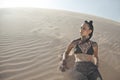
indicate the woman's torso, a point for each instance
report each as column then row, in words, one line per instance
column 83, row 51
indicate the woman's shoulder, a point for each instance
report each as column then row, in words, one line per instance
column 94, row 43
column 75, row 41
column 78, row 39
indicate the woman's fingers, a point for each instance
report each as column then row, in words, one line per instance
column 62, row 68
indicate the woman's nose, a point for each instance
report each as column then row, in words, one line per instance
column 80, row 31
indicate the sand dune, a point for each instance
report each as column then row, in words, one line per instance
column 31, row 40
column 29, row 58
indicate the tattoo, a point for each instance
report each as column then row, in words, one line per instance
column 94, row 44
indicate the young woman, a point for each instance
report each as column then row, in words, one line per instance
column 86, row 55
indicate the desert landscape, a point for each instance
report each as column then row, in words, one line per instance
column 31, row 39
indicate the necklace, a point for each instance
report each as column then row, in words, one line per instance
column 84, row 46
column 84, row 39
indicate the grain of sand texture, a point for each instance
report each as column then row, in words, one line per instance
column 31, row 40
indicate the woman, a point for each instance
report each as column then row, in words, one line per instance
column 86, row 55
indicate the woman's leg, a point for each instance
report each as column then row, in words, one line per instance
column 79, row 71
column 95, row 75
column 76, row 75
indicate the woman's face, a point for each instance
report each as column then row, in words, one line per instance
column 85, row 31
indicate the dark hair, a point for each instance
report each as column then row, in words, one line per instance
column 90, row 25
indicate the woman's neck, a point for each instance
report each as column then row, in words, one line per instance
column 84, row 38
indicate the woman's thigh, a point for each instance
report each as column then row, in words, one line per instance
column 76, row 75
column 95, row 76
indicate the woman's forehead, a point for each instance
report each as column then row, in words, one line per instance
column 84, row 25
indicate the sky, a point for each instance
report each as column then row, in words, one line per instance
column 109, row 9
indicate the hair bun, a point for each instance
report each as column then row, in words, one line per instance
column 90, row 21
column 86, row 21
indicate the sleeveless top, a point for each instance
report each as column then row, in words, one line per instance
column 83, row 48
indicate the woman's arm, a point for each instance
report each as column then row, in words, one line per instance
column 66, row 53
column 63, row 65
column 95, row 47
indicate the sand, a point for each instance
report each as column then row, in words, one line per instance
column 31, row 40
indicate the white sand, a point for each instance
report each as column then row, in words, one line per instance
column 31, row 40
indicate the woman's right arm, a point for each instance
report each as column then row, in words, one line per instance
column 66, row 53
column 63, row 65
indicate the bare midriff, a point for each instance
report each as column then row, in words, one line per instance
column 81, row 57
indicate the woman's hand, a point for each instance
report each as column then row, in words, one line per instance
column 63, row 66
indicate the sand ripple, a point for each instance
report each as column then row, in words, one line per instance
column 29, row 59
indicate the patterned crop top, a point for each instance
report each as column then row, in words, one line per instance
column 81, row 48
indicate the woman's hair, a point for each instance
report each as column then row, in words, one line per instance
column 90, row 25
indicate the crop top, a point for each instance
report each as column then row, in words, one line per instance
column 89, row 50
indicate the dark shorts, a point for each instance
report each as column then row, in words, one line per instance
column 85, row 71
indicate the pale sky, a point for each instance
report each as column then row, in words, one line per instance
column 104, row 8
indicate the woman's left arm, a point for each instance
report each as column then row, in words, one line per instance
column 95, row 47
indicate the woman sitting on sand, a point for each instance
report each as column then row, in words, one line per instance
column 86, row 55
